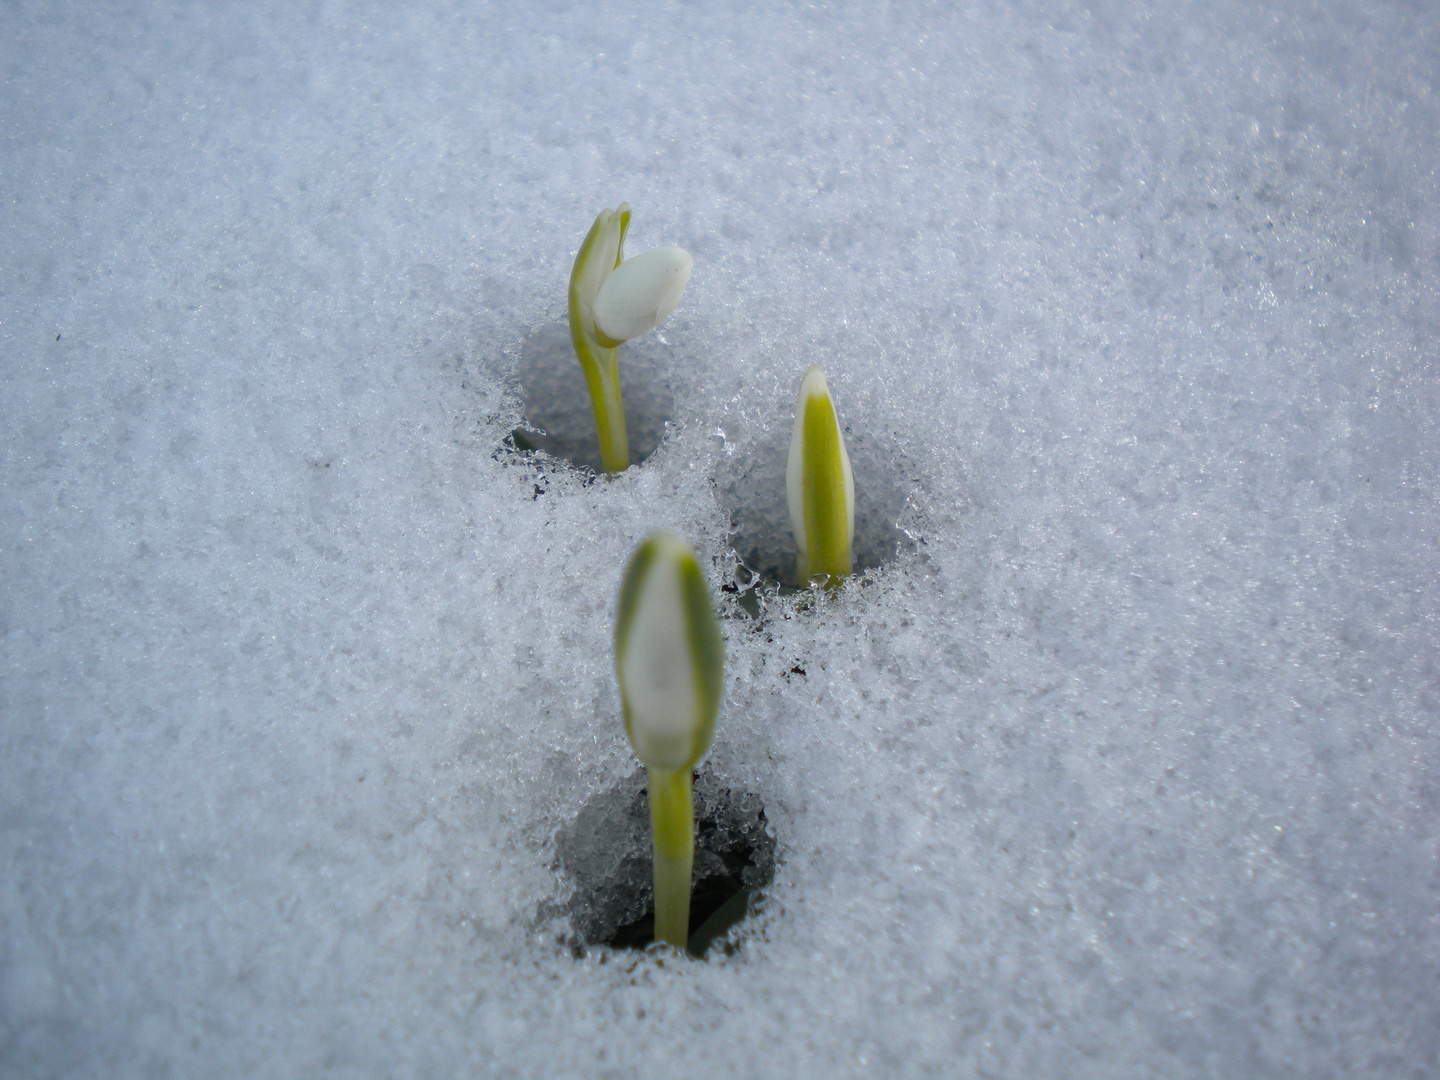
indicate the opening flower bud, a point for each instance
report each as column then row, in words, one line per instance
column 819, row 486
column 614, row 299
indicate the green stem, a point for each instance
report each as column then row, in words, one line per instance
column 672, row 822
column 602, row 376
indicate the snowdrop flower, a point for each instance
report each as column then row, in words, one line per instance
column 819, row 486
column 670, row 663
column 614, row 299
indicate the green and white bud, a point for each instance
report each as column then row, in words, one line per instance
column 614, row 299
column 669, row 655
column 670, row 663
column 819, row 486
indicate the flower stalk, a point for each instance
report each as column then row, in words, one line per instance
column 670, row 664
column 819, row 487
column 672, row 826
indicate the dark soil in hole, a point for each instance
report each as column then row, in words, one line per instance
column 558, row 419
column 606, row 854
column 752, row 486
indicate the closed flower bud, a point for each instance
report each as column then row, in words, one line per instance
column 819, row 486
column 669, row 656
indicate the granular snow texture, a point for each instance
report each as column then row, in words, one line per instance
column 1123, row 762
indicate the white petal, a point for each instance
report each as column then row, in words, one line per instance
column 641, row 292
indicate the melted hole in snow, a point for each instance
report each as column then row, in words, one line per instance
column 752, row 488
column 606, row 854
column 558, row 419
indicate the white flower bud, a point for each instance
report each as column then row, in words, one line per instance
column 641, row 292
column 819, row 486
column 669, row 655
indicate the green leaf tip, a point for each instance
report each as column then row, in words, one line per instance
column 819, row 486
column 614, row 299
column 669, row 655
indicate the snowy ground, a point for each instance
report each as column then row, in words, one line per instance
column 1130, row 769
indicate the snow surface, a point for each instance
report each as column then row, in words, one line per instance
column 1125, row 766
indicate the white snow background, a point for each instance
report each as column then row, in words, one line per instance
column 1129, row 768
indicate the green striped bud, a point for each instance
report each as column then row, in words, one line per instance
column 819, row 486
column 669, row 655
